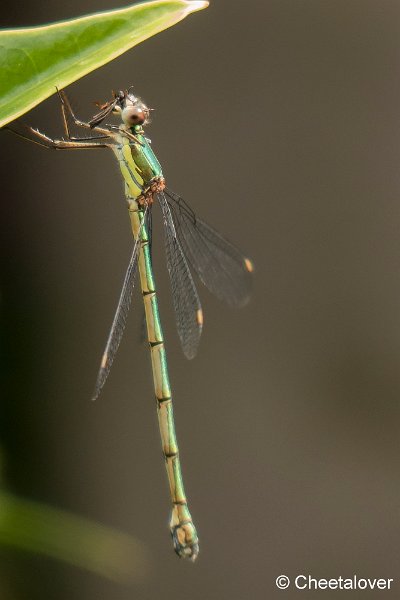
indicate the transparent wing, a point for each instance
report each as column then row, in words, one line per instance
column 223, row 269
column 188, row 313
column 121, row 314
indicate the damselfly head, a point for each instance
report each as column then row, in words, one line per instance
column 132, row 110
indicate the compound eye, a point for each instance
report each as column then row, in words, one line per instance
column 134, row 115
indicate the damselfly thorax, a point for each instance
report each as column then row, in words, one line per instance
column 139, row 166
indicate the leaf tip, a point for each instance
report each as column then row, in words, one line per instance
column 195, row 5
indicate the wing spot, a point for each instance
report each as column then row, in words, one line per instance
column 249, row 265
column 199, row 317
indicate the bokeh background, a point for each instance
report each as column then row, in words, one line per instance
column 279, row 121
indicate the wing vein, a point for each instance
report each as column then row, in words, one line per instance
column 121, row 314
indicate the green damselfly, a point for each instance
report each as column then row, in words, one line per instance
column 189, row 241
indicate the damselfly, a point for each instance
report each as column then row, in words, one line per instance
column 189, row 241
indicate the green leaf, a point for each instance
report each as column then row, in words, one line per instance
column 41, row 529
column 36, row 60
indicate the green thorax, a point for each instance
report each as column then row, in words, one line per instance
column 144, row 157
column 138, row 163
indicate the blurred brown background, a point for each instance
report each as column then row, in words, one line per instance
column 280, row 122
